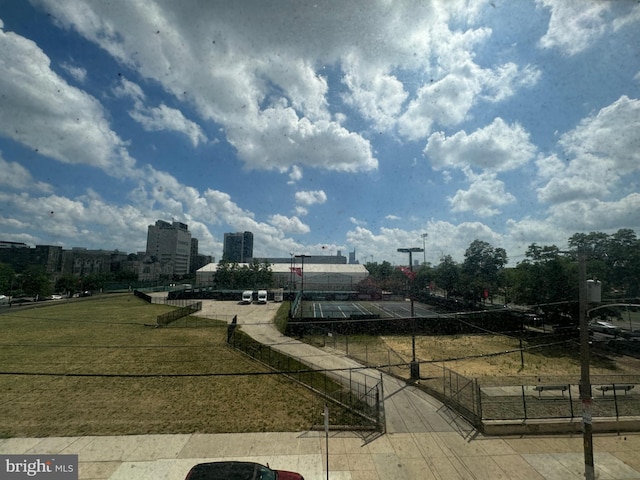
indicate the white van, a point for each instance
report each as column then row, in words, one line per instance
column 247, row 297
column 262, row 296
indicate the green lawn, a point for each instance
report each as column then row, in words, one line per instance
column 94, row 368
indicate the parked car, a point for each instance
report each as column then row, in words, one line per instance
column 262, row 296
column 238, row 471
column 247, row 297
column 631, row 334
column 604, row 327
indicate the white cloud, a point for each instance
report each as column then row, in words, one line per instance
column 444, row 238
column 601, row 150
column 301, row 211
column 15, row 176
column 393, row 217
column 166, row 118
column 288, row 225
column 78, row 73
column 378, row 95
column 447, row 101
column 158, row 118
column 496, row 147
column 485, row 193
column 43, row 112
column 576, row 25
column 311, row 197
column 295, row 174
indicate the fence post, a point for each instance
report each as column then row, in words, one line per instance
column 524, row 402
column 479, row 393
column 570, row 402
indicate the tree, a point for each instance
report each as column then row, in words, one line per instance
column 7, row 275
column 481, row 269
column 447, row 275
column 35, row 282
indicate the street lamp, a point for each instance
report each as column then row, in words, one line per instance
column 414, row 366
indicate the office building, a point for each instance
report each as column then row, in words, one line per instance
column 238, row 247
column 170, row 244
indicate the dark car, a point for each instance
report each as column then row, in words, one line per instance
column 238, row 471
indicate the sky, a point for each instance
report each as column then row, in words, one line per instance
column 320, row 126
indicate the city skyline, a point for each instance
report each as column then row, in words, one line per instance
column 320, row 127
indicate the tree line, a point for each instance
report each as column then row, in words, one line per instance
column 546, row 275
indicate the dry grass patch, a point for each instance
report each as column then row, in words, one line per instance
column 497, row 356
column 132, row 379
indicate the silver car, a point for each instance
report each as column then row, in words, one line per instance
column 604, row 327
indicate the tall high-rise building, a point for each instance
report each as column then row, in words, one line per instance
column 170, row 243
column 238, row 247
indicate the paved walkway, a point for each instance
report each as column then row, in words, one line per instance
column 423, row 440
column 396, row 456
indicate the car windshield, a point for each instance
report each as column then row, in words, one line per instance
column 264, row 473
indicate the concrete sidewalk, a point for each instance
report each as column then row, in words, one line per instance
column 401, row 456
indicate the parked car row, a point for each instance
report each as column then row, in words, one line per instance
column 247, row 297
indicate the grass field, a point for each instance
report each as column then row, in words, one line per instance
column 93, row 368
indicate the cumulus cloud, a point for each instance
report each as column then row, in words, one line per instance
column 77, row 73
column 43, row 112
column 575, row 25
column 601, row 150
column 288, row 225
column 311, row 197
column 158, row 118
column 485, row 193
column 15, row 176
column 496, row 147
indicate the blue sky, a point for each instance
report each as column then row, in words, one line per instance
column 345, row 125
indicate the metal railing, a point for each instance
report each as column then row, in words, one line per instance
column 359, row 397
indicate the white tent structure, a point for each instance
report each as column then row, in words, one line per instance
column 315, row 276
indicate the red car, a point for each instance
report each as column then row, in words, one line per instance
column 238, row 471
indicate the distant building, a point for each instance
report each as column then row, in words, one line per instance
column 317, row 276
column 338, row 259
column 170, row 243
column 352, row 258
column 6, row 244
column 81, row 262
column 20, row 256
column 238, row 247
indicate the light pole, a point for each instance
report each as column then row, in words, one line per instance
column 414, row 366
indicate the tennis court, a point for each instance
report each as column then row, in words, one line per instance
column 351, row 309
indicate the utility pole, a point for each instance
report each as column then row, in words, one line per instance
column 585, row 381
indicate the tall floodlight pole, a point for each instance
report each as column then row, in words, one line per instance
column 414, row 367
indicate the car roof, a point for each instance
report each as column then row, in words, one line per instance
column 224, row 471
